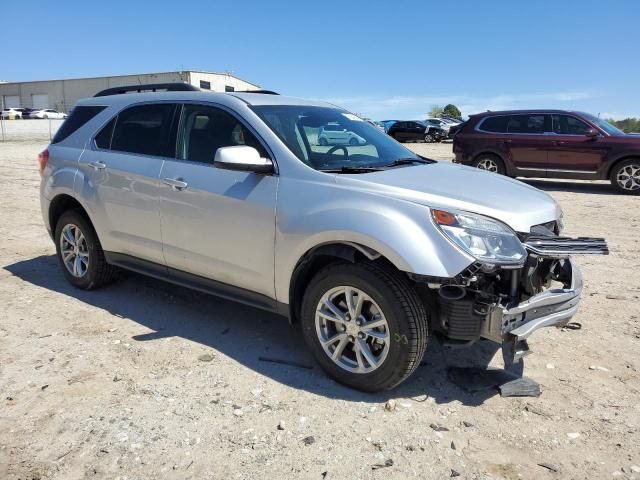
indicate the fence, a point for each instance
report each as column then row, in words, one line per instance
column 25, row 130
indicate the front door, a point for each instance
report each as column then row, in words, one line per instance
column 218, row 224
column 120, row 180
column 572, row 151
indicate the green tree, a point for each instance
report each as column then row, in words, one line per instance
column 628, row 125
column 436, row 111
column 452, row 111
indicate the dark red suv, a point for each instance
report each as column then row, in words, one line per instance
column 552, row 144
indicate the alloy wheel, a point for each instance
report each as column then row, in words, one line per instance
column 352, row 329
column 488, row 164
column 628, row 177
column 74, row 250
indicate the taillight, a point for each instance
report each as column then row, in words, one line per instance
column 43, row 158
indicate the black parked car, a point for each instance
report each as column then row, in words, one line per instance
column 412, row 131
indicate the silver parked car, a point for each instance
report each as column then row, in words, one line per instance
column 371, row 247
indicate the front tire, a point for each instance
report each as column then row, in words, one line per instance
column 625, row 177
column 79, row 252
column 490, row 163
column 365, row 325
column 428, row 138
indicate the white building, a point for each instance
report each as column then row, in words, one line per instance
column 62, row 95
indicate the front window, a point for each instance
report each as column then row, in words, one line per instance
column 327, row 138
column 603, row 124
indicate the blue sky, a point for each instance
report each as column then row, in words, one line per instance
column 379, row 59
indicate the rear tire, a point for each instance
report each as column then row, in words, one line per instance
column 79, row 252
column 371, row 358
column 490, row 163
column 323, row 142
column 625, row 177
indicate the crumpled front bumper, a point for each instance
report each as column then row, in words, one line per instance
column 552, row 308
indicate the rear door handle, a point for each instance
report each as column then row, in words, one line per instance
column 175, row 183
column 97, row 165
column 558, row 142
column 505, row 140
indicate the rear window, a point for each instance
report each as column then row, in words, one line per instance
column 78, row 117
column 528, row 124
column 494, row 124
column 143, row 129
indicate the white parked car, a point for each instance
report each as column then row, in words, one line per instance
column 334, row 134
column 12, row 112
column 47, row 113
column 439, row 122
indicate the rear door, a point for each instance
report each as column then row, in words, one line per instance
column 121, row 185
column 526, row 142
column 572, row 152
column 415, row 131
column 218, row 224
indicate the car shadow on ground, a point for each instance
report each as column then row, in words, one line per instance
column 249, row 336
column 549, row 185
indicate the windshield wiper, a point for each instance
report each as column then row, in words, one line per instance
column 346, row 169
column 408, row 161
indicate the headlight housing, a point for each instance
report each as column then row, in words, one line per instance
column 488, row 240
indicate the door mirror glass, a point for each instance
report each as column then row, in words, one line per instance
column 591, row 133
column 242, row 158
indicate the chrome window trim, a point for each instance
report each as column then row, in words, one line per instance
column 479, row 124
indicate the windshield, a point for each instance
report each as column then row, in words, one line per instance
column 332, row 139
column 603, row 124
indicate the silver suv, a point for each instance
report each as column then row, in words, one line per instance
column 372, row 248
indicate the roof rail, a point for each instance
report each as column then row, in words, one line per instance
column 149, row 87
column 264, row 92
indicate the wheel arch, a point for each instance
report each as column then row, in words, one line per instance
column 319, row 257
column 492, row 153
column 61, row 203
column 618, row 161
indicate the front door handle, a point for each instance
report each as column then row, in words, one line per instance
column 175, row 183
column 97, row 165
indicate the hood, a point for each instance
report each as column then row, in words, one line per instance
column 456, row 187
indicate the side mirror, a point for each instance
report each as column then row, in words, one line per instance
column 592, row 133
column 242, row 158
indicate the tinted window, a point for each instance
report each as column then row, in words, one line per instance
column 205, row 85
column 568, row 125
column 144, row 129
column 206, row 129
column 530, row 124
column 75, row 120
column 495, row 124
column 103, row 139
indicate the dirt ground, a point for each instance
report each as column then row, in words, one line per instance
column 143, row 379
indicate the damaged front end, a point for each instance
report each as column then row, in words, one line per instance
column 507, row 303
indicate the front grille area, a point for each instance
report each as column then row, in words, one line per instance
column 560, row 247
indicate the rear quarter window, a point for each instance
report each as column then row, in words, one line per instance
column 78, row 117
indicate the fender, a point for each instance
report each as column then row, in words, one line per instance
column 398, row 230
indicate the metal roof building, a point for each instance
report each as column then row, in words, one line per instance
column 62, row 95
